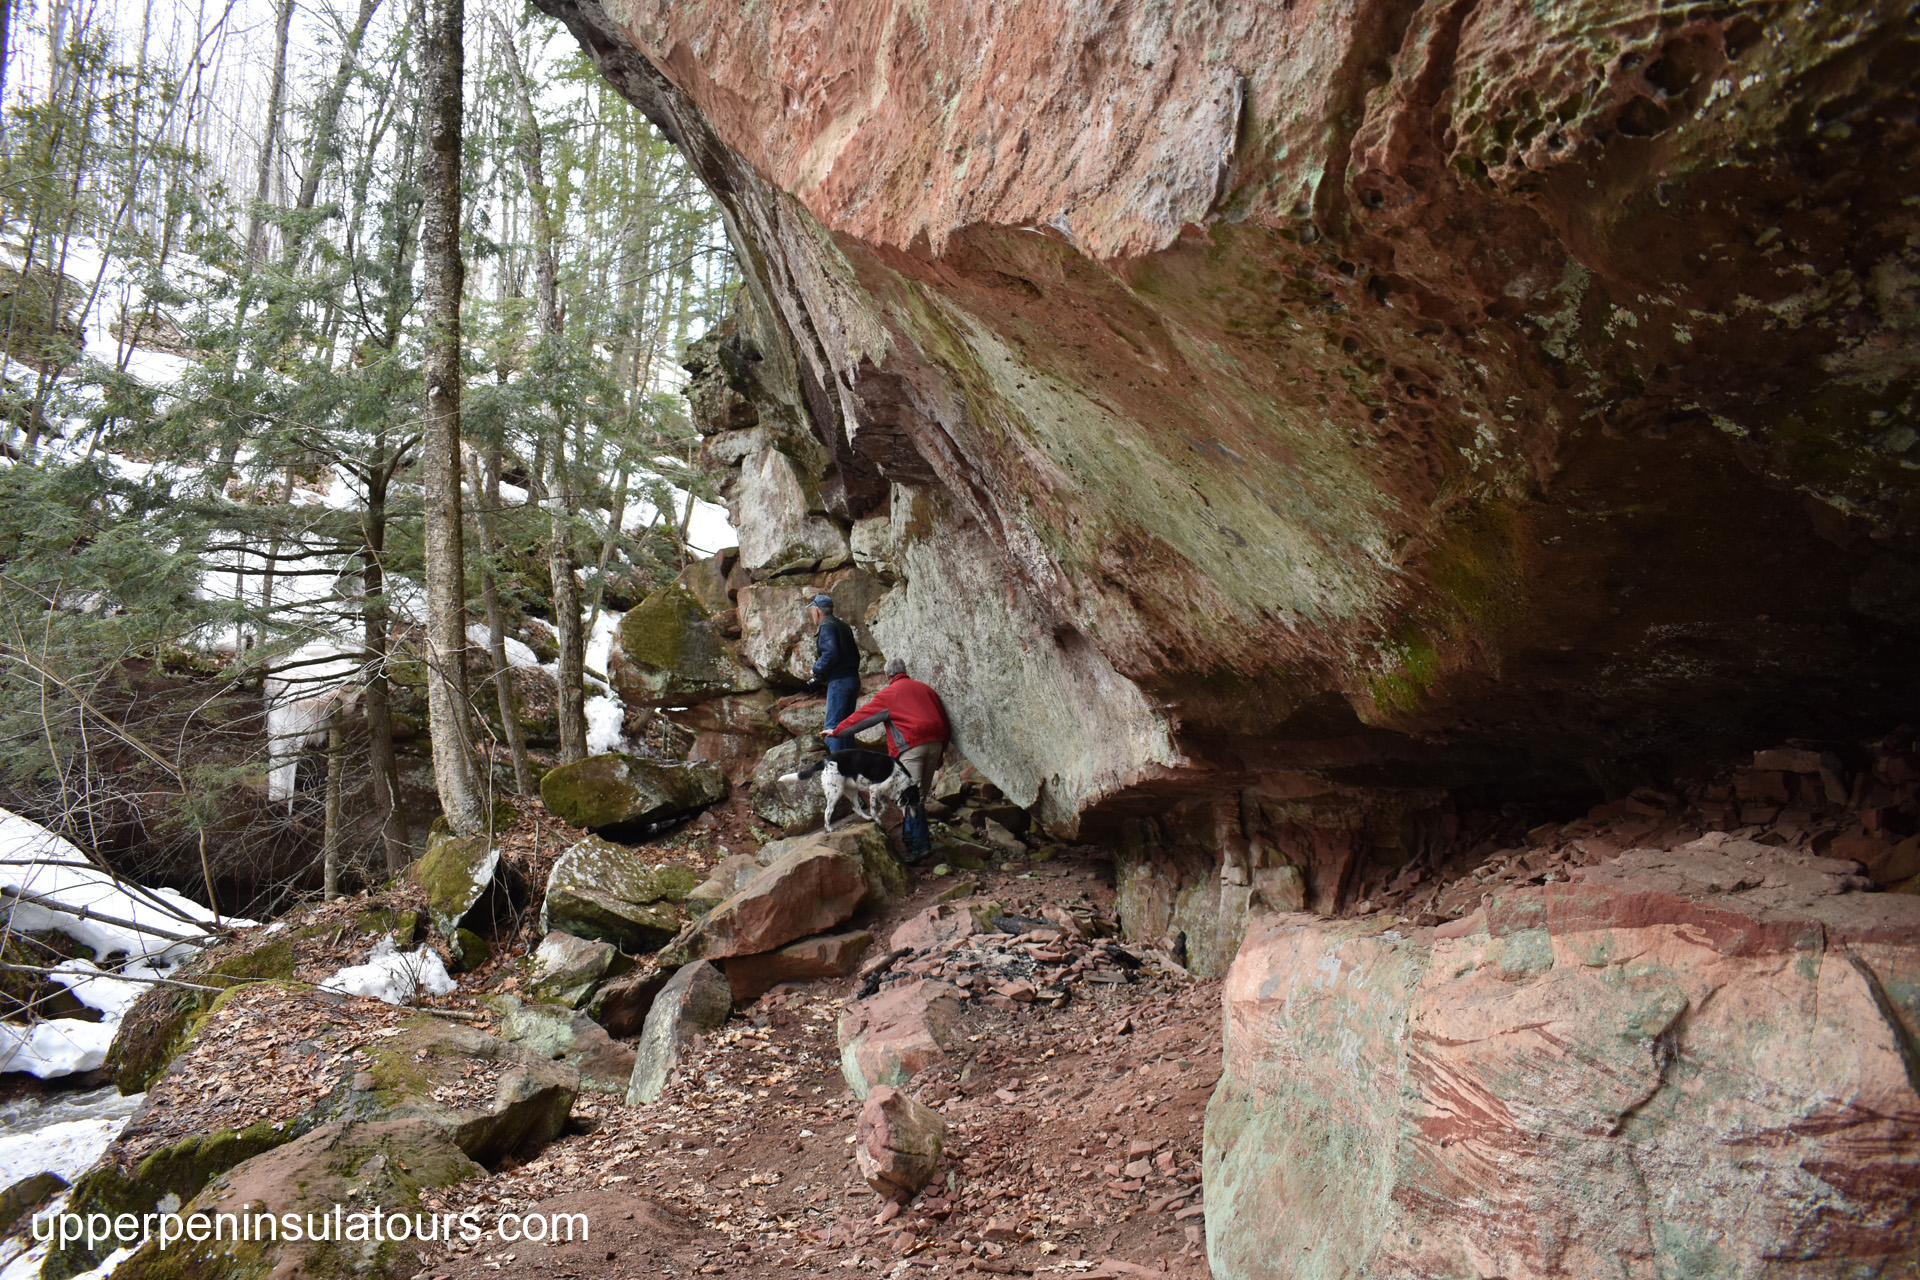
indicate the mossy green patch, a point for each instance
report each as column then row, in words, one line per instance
column 178, row 1170
column 669, row 651
column 383, row 1165
column 161, row 1022
column 1415, row 663
column 616, row 790
column 455, row 872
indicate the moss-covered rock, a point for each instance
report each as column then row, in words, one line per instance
column 157, row 1026
column 619, row 793
column 334, row 1178
column 468, row 884
column 566, row 969
column 520, row 1100
column 668, row 653
column 175, row 1172
column 404, row 923
column 706, row 581
column 602, row 890
column 321, row 1059
column 467, row 951
column 566, row 1035
column 25, row 1195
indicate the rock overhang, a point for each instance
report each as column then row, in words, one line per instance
column 1499, row 386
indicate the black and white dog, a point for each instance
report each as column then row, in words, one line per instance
column 849, row 774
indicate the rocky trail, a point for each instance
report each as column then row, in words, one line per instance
column 765, row 1055
column 1074, row 1122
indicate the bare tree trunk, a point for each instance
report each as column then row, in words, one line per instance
column 606, row 548
column 276, row 101
column 444, row 277
column 489, row 490
column 330, row 833
column 322, row 146
column 381, row 757
column 572, row 697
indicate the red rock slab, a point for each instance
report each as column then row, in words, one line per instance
column 828, row 955
column 891, row 1037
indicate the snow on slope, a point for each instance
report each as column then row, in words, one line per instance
column 33, row 860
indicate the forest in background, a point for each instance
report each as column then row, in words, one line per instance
column 227, row 493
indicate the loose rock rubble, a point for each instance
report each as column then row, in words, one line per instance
column 1073, row 1121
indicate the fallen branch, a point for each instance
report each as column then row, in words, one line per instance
column 82, row 975
column 88, row 913
column 126, row 886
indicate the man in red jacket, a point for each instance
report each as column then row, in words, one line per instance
column 917, row 729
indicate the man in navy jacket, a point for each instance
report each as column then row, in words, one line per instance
column 836, row 664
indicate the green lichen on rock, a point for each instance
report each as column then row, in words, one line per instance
column 468, row 951
column 178, row 1170
column 620, row 792
column 567, row 969
column 410, row 1074
column 466, row 882
column 403, row 923
column 602, row 890
column 160, row 1022
column 1411, row 665
column 350, row 1169
column 668, row 652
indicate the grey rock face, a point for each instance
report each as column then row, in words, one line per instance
column 602, row 890
column 695, row 999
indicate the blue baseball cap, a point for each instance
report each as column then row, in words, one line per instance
column 822, row 602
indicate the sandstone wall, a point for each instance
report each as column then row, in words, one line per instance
column 1699, row 1063
column 1340, row 387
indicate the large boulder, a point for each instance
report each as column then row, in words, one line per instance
column 313, row 1058
column 567, row 970
column 694, row 1000
column 891, row 1037
column 706, row 581
column 776, row 632
column 468, row 884
column 728, row 877
column 161, row 1022
column 621, row 1004
column 790, row 807
column 618, row 793
column 731, row 732
column 602, row 890
column 811, row 888
column 1697, row 1062
column 490, row 1096
column 897, row 1143
column 828, row 955
column 565, row 1035
column 350, row 1169
column 667, row 653
column 776, row 507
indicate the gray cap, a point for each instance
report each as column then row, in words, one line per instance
column 824, row 603
column 896, row 666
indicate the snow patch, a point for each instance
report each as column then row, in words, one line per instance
column 313, row 681
column 605, row 720
column 518, row 653
column 34, row 860
column 393, row 975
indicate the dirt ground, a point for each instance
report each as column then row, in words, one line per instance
column 1073, row 1147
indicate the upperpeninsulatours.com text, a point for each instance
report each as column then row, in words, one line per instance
column 127, row 1230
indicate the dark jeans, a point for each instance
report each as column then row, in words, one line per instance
column 841, row 695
